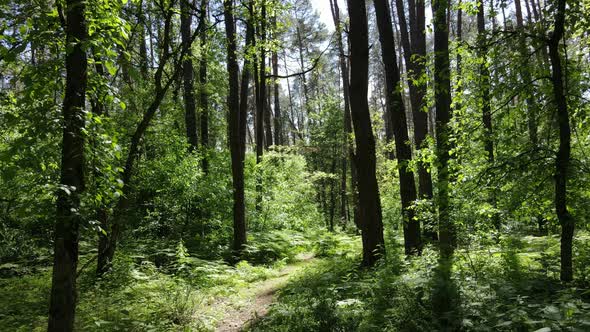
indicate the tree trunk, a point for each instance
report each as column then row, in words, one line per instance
column 347, row 148
column 278, row 120
column 415, row 54
column 238, row 107
column 369, row 202
column 525, row 75
column 484, row 85
column 442, row 97
column 190, row 107
column 107, row 243
column 563, row 155
column 62, row 305
column 203, row 93
column 143, row 59
column 397, row 116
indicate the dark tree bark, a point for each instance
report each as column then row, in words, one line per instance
column 203, row 93
column 263, row 121
column 143, row 59
column 484, row 85
column 62, row 305
column 260, row 90
column 442, row 97
column 369, row 202
column 278, row 119
column 414, row 46
column 397, row 116
column 238, row 107
column 190, row 106
column 347, row 150
column 563, row 155
column 525, row 75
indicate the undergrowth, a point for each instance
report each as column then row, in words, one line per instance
column 152, row 286
column 509, row 287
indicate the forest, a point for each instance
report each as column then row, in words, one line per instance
column 294, row 165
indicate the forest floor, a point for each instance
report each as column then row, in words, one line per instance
column 253, row 302
column 320, row 286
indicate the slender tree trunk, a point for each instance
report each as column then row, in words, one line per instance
column 307, row 107
column 238, row 106
column 525, row 75
column 332, row 194
column 414, row 47
column 369, row 202
column 203, row 93
column 442, row 97
column 563, row 155
column 263, row 87
column 347, row 148
column 261, row 90
column 278, row 120
column 143, row 59
column 295, row 129
column 190, row 106
column 395, row 107
column 108, row 243
column 484, row 85
column 62, row 305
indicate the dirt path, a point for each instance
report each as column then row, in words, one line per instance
column 258, row 298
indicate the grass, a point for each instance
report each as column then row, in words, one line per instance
column 152, row 287
column 513, row 286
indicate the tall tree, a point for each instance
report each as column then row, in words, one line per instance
column 397, row 115
column 278, row 118
column 108, row 242
column 525, row 75
column 484, row 83
column 190, row 106
column 238, row 109
column 263, row 131
column 203, row 91
column 348, row 150
column 368, row 190
column 563, row 155
column 414, row 46
column 442, row 99
column 62, row 306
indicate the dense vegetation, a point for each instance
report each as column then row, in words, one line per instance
column 168, row 165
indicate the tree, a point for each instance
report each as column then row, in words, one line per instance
column 237, row 101
column 397, row 115
column 484, row 84
column 62, row 305
column 368, row 190
column 107, row 244
column 347, row 148
column 203, row 93
column 278, row 118
column 563, row 155
column 442, row 97
column 414, row 46
column 190, row 107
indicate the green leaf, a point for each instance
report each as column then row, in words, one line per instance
column 110, row 67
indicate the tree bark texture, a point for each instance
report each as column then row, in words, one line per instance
column 62, row 306
column 442, row 96
column 369, row 202
column 397, row 116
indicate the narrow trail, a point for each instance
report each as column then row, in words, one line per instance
column 257, row 298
